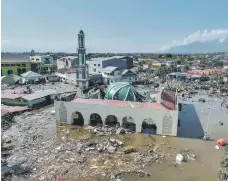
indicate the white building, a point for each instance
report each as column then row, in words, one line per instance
column 96, row 65
column 67, row 75
column 114, row 74
column 66, row 62
column 111, row 75
column 171, row 63
column 225, row 68
column 31, row 77
column 128, row 76
column 45, row 59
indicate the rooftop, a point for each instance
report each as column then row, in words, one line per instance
column 31, row 74
column 122, row 91
column 39, row 94
column 207, row 71
column 17, row 57
column 12, row 109
column 127, row 70
column 67, row 70
column 11, row 96
column 106, row 58
column 10, row 79
column 109, row 69
column 121, row 103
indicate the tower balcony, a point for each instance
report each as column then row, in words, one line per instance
column 81, row 49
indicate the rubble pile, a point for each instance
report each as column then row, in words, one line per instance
column 223, row 172
column 106, row 130
column 7, row 121
column 20, row 89
column 31, row 132
column 35, row 152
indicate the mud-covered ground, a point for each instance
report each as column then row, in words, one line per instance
column 68, row 152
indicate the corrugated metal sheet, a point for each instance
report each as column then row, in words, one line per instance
column 11, row 96
column 39, row 94
column 168, row 99
column 10, row 79
column 31, row 74
column 109, row 69
column 12, row 109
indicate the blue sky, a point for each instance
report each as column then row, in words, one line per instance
column 111, row 25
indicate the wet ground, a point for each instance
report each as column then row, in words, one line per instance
column 194, row 118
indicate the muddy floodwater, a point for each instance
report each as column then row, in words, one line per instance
column 203, row 168
column 38, row 134
column 195, row 118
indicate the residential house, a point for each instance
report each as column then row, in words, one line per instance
column 111, row 74
column 96, row 65
column 67, row 74
column 171, row 63
column 19, row 63
column 45, row 63
column 66, row 62
column 15, row 63
column 36, row 99
column 31, row 77
column 128, row 76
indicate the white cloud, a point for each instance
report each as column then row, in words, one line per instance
column 219, row 35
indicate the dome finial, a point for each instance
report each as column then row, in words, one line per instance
column 81, row 32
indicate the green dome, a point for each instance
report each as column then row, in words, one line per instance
column 123, row 91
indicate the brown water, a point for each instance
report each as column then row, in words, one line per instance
column 204, row 168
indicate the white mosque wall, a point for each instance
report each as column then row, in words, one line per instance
column 165, row 120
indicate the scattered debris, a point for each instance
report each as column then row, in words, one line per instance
column 202, row 100
column 129, row 150
column 221, row 142
column 223, row 171
column 206, row 137
column 179, row 158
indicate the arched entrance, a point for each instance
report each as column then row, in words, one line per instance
column 111, row 120
column 129, row 123
column 77, row 119
column 149, row 126
column 9, row 72
column 95, row 120
column 19, row 71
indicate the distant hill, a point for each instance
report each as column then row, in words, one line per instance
column 207, row 47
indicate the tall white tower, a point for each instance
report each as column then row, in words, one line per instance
column 82, row 76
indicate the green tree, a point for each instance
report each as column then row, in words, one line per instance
column 169, row 55
column 178, row 61
column 186, row 67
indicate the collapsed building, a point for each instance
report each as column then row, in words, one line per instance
column 123, row 105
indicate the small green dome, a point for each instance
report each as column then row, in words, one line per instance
column 123, row 91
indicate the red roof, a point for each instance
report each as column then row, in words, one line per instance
column 11, row 96
column 218, row 71
column 121, row 103
column 67, row 70
column 12, row 109
column 168, row 99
